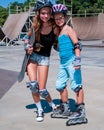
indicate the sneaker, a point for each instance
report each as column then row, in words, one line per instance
column 40, row 116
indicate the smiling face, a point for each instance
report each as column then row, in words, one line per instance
column 45, row 14
column 59, row 19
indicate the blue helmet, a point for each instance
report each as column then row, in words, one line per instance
column 42, row 3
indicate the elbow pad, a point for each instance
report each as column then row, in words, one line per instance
column 78, row 46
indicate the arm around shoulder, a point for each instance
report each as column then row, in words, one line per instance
column 55, row 45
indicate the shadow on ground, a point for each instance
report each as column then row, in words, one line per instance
column 7, row 79
column 47, row 108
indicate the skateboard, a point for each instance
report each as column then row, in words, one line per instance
column 26, row 59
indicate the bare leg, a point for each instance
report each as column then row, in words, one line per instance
column 80, row 97
column 32, row 73
column 64, row 95
column 42, row 79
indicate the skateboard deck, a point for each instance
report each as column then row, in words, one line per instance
column 26, row 59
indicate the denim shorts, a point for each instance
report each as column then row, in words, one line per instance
column 39, row 59
column 68, row 72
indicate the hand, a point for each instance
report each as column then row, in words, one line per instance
column 26, row 41
column 55, row 47
column 77, row 67
column 77, row 62
column 30, row 50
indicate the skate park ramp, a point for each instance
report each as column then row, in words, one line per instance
column 2, row 38
column 89, row 28
column 2, row 35
column 14, row 24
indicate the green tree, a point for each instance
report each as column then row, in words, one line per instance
column 3, row 15
column 78, row 6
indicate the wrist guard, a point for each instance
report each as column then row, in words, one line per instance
column 26, row 46
column 78, row 46
column 77, row 61
column 25, row 37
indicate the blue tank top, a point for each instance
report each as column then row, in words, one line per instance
column 66, row 48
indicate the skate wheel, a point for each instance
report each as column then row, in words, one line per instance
column 86, row 120
column 52, row 115
column 68, row 124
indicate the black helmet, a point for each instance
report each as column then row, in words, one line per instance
column 42, row 3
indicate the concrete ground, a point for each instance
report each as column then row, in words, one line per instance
column 16, row 103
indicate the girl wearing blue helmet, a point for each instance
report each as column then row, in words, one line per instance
column 38, row 65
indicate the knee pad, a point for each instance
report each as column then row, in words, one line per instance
column 33, row 85
column 44, row 93
column 77, row 89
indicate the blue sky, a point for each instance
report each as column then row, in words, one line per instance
column 5, row 3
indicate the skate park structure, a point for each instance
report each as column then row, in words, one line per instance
column 87, row 28
column 13, row 26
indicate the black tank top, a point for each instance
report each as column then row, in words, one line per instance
column 46, row 40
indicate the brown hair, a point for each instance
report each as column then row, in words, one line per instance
column 37, row 24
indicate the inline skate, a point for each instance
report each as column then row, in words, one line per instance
column 77, row 117
column 63, row 111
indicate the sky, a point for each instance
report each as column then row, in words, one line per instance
column 5, row 3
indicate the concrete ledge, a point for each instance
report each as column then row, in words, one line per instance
column 94, row 43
